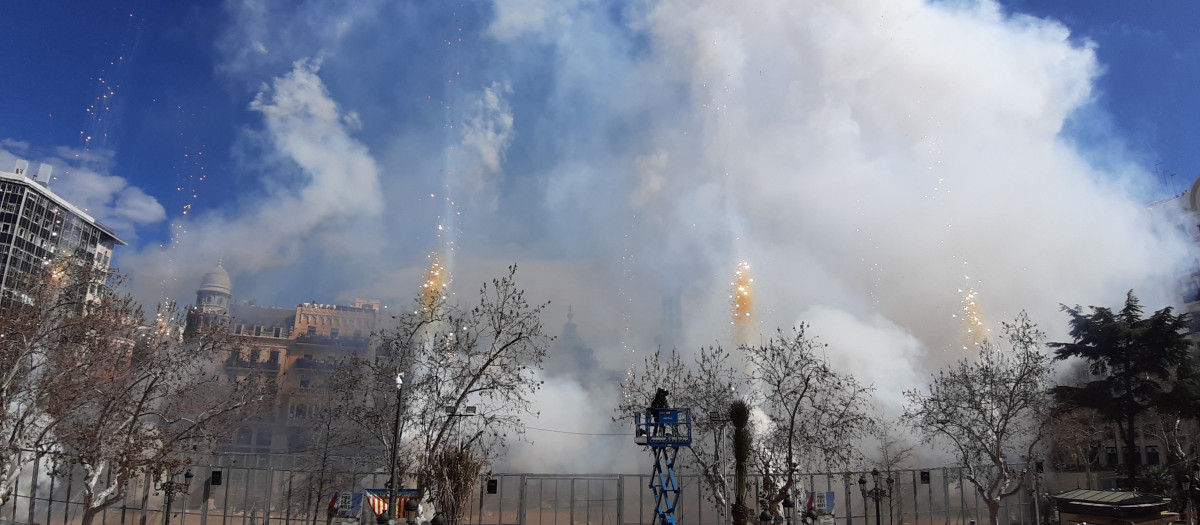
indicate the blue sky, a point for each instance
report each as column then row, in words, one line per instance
column 875, row 162
column 180, row 78
column 1149, row 54
column 172, row 97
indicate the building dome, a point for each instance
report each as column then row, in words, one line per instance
column 216, row 280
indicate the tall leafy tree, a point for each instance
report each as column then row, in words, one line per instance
column 989, row 412
column 1135, row 358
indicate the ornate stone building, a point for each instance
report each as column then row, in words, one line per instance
column 298, row 346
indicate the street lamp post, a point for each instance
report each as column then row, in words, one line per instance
column 396, row 432
column 875, row 493
column 1190, row 484
column 1192, row 493
column 452, row 413
column 187, row 482
column 170, row 488
column 1186, row 485
column 789, row 509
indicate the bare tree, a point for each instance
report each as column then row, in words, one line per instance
column 133, row 400
column 40, row 313
column 332, row 443
column 462, row 379
column 894, row 453
column 1074, row 436
column 814, row 411
column 707, row 387
column 1178, row 433
column 990, row 413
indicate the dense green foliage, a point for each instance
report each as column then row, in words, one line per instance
column 1133, row 361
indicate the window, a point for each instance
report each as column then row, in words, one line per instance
column 257, row 330
column 243, row 437
column 239, row 328
column 278, row 331
column 305, row 382
column 1152, row 455
column 263, row 439
column 296, row 441
column 312, row 330
column 333, row 332
column 1110, row 456
column 274, row 356
column 1133, row 457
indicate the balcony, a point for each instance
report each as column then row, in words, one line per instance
column 238, row 362
column 338, row 341
column 314, row 364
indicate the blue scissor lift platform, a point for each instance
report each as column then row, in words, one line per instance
column 664, row 430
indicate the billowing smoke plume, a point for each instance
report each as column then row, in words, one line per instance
column 869, row 158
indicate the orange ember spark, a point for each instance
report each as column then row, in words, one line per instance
column 976, row 328
column 433, row 288
column 741, row 300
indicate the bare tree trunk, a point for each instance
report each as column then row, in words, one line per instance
column 742, row 514
column 88, row 514
column 993, row 511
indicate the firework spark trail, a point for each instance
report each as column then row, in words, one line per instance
column 741, row 300
column 976, row 330
column 435, row 284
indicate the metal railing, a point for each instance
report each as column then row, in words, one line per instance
column 262, row 489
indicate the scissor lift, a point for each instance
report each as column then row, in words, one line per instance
column 664, row 430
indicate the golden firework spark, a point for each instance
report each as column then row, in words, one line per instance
column 741, row 301
column 433, row 288
column 976, row 328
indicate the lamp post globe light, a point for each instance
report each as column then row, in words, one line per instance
column 410, row 511
column 875, row 493
column 764, row 518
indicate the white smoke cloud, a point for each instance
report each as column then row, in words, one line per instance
column 487, row 130
column 326, row 183
column 855, row 345
column 869, row 159
column 588, row 441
